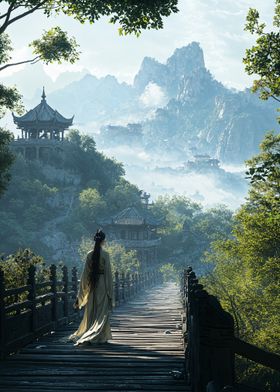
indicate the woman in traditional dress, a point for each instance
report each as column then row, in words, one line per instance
column 95, row 294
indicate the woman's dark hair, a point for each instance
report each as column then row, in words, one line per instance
column 94, row 275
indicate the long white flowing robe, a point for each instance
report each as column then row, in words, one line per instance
column 95, row 325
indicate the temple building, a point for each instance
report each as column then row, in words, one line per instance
column 202, row 162
column 42, row 131
column 136, row 230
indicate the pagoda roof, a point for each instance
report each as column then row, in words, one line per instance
column 132, row 216
column 42, row 115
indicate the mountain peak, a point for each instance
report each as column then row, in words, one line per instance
column 186, row 60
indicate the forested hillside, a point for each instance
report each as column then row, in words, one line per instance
column 54, row 208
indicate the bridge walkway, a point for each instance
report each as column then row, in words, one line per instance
column 146, row 353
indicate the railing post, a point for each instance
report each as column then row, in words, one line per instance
column 53, row 279
column 117, row 288
column 32, row 296
column 65, row 291
column 2, row 316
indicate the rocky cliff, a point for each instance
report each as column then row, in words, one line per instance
column 179, row 106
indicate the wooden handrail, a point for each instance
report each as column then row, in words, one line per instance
column 210, row 344
column 21, row 322
column 256, row 354
column 16, row 291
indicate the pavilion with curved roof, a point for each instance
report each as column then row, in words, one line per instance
column 42, row 130
column 135, row 229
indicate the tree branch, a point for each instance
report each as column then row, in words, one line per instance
column 32, row 61
column 8, row 13
column 10, row 21
column 276, row 99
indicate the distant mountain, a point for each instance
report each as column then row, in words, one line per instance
column 178, row 105
column 32, row 78
column 202, row 115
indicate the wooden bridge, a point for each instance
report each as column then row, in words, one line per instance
column 165, row 338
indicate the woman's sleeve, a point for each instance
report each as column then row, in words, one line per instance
column 108, row 277
column 84, row 287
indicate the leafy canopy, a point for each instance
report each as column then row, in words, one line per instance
column 6, row 158
column 263, row 59
column 132, row 15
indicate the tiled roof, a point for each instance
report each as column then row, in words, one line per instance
column 133, row 216
column 43, row 114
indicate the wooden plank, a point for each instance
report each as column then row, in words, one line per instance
column 146, row 347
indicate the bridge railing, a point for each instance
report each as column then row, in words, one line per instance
column 209, row 341
column 29, row 311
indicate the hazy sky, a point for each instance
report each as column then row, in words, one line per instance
column 216, row 24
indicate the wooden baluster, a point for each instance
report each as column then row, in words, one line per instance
column 65, row 290
column 74, row 280
column 32, row 296
column 141, row 280
column 123, row 298
column 53, row 279
column 117, row 289
column 135, row 283
column 2, row 316
column 74, row 287
column 128, row 287
column 154, row 278
column 146, row 277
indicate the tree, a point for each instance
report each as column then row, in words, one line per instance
column 263, row 59
column 264, row 174
column 96, row 170
column 6, row 158
column 122, row 260
column 91, row 207
column 123, row 195
column 246, row 275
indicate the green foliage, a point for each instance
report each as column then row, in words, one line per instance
column 123, row 195
column 264, row 173
column 6, row 158
column 5, row 48
column 263, row 59
column 169, row 272
column 121, row 260
column 10, row 99
column 82, row 157
column 25, row 208
column 246, row 275
column 91, row 207
column 15, row 267
column 55, row 45
column 42, row 199
column 187, row 230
